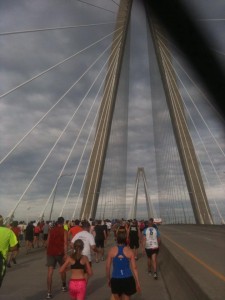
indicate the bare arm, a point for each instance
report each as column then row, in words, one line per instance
column 12, row 248
column 105, row 235
column 65, row 266
column 88, row 266
column 143, row 243
column 159, row 241
column 47, row 242
column 139, row 235
column 108, row 265
column 134, row 270
column 93, row 247
column 65, row 242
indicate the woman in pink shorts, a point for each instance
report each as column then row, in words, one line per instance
column 80, row 268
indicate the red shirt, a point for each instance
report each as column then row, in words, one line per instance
column 74, row 230
column 56, row 241
column 37, row 229
column 16, row 230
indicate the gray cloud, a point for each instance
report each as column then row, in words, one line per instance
column 28, row 54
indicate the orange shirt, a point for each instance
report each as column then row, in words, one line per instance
column 74, row 230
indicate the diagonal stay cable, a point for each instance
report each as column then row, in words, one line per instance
column 96, row 6
column 53, row 28
column 75, row 173
column 209, row 158
column 56, row 65
column 39, row 121
column 170, row 78
column 202, row 118
column 203, row 94
column 115, row 2
column 61, row 172
column 193, row 122
column 81, row 189
column 42, row 164
column 213, row 20
column 212, row 49
column 101, row 118
column 100, row 145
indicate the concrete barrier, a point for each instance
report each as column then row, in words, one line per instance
column 178, row 280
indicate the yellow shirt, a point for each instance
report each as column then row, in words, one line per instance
column 7, row 240
column 66, row 227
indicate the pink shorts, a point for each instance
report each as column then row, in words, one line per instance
column 77, row 288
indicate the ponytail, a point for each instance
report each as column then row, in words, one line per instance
column 78, row 248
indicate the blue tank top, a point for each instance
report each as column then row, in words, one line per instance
column 121, row 265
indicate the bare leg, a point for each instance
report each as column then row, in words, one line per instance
column 97, row 255
column 135, row 252
column 149, row 264
column 154, row 263
column 9, row 259
column 63, row 278
column 101, row 252
column 49, row 279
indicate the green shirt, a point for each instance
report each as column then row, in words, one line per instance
column 7, row 240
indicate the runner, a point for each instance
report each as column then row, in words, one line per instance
column 134, row 237
column 151, row 242
column 79, row 265
column 56, row 253
column 124, row 280
column 8, row 242
column 88, row 239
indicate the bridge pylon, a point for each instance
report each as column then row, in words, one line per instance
column 133, row 210
column 97, row 159
column 184, row 142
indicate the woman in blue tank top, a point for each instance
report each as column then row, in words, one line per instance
column 123, row 279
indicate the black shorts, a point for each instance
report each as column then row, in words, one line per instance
column 125, row 286
column 149, row 252
column 99, row 243
column 134, row 243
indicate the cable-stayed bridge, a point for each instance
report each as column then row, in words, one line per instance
column 111, row 109
column 91, row 92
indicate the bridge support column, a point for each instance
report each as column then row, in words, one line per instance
column 185, row 146
column 150, row 213
column 97, row 160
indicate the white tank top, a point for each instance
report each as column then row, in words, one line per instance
column 151, row 238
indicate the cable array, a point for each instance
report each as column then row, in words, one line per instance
column 77, row 110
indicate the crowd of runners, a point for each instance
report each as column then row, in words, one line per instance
column 74, row 244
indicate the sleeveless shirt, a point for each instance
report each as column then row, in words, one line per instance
column 56, row 241
column 121, row 265
column 77, row 265
column 133, row 235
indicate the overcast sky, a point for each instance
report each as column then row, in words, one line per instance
column 25, row 55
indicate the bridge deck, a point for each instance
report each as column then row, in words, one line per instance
column 27, row 280
column 193, row 257
column 192, row 266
